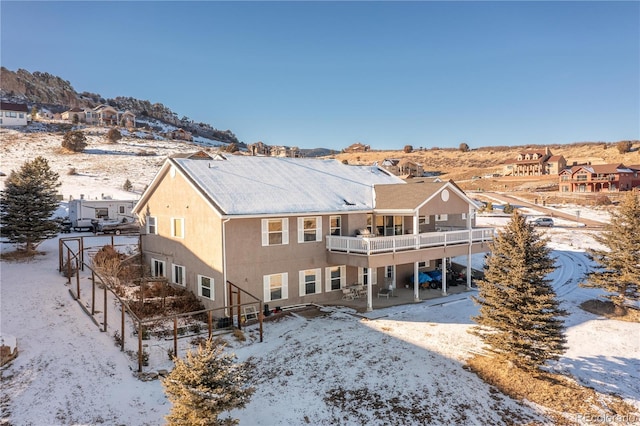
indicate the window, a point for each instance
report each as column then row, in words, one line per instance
column 275, row 232
column 157, row 268
column 205, row 287
column 422, row 264
column 178, row 275
column 442, row 217
column 151, row 225
column 310, row 282
column 363, row 276
column 275, row 287
column 389, row 271
column 335, row 277
column 464, row 216
column 309, row 229
column 335, row 223
column 389, row 225
column 102, row 213
column 121, row 209
column 21, row 115
column 177, row 227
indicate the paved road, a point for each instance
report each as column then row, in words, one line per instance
column 589, row 223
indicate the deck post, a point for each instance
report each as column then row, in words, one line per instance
column 469, row 268
column 369, row 290
column 444, row 276
column 416, row 283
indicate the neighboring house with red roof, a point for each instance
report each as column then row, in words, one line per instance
column 12, row 114
column 599, row 178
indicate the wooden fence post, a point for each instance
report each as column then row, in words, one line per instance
column 105, row 306
column 139, row 346
column 122, row 328
column 175, row 336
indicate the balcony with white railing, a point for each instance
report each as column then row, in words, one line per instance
column 379, row 245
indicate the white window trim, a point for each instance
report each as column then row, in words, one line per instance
column 339, row 227
column 266, row 280
column 211, row 287
column 173, row 227
column 155, row 225
column 153, row 267
column 265, row 232
column 301, row 220
column 423, row 220
column 184, row 275
column 464, row 216
column 327, row 277
column 303, row 288
column 442, row 217
column 361, row 273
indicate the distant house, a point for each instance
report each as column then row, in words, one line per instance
column 298, row 231
column 12, row 114
column 357, row 147
column 180, row 134
column 402, row 167
column 535, row 163
column 76, row 115
column 599, row 178
column 105, row 115
column 259, row 148
column 128, row 119
column 264, row 150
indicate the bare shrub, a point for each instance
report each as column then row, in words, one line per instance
column 602, row 200
column 72, row 171
column 113, row 135
column 74, row 140
column 624, row 146
column 107, row 262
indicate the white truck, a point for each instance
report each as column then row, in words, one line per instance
column 86, row 215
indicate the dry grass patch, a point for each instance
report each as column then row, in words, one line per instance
column 20, row 255
column 566, row 400
column 609, row 310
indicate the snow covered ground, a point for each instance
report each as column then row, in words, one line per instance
column 400, row 365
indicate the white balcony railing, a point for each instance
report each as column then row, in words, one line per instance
column 391, row 244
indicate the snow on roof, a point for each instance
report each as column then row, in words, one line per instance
column 273, row 185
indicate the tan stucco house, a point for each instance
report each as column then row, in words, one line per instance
column 298, row 231
column 535, row 163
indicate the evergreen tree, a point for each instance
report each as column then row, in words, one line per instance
column 127, row 185
column 619, row 271
column 204, row 385
column 74, row 140
column 27, row 203
column 519, row 314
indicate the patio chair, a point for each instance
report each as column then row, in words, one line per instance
column 347, row 294
column 249, row 313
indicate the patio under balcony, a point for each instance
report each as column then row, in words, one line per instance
column 400, row 296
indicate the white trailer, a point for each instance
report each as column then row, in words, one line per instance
column 83, row 214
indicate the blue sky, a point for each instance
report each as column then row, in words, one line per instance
column 328, row 74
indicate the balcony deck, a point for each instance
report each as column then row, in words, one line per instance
column 391, row 244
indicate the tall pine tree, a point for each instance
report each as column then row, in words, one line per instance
column 27, row 203
column 204, row 385
column 619, row 271
column 519, row 315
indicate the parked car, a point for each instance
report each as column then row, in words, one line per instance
column 543, row 221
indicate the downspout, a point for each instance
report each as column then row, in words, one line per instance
column 224, row 267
